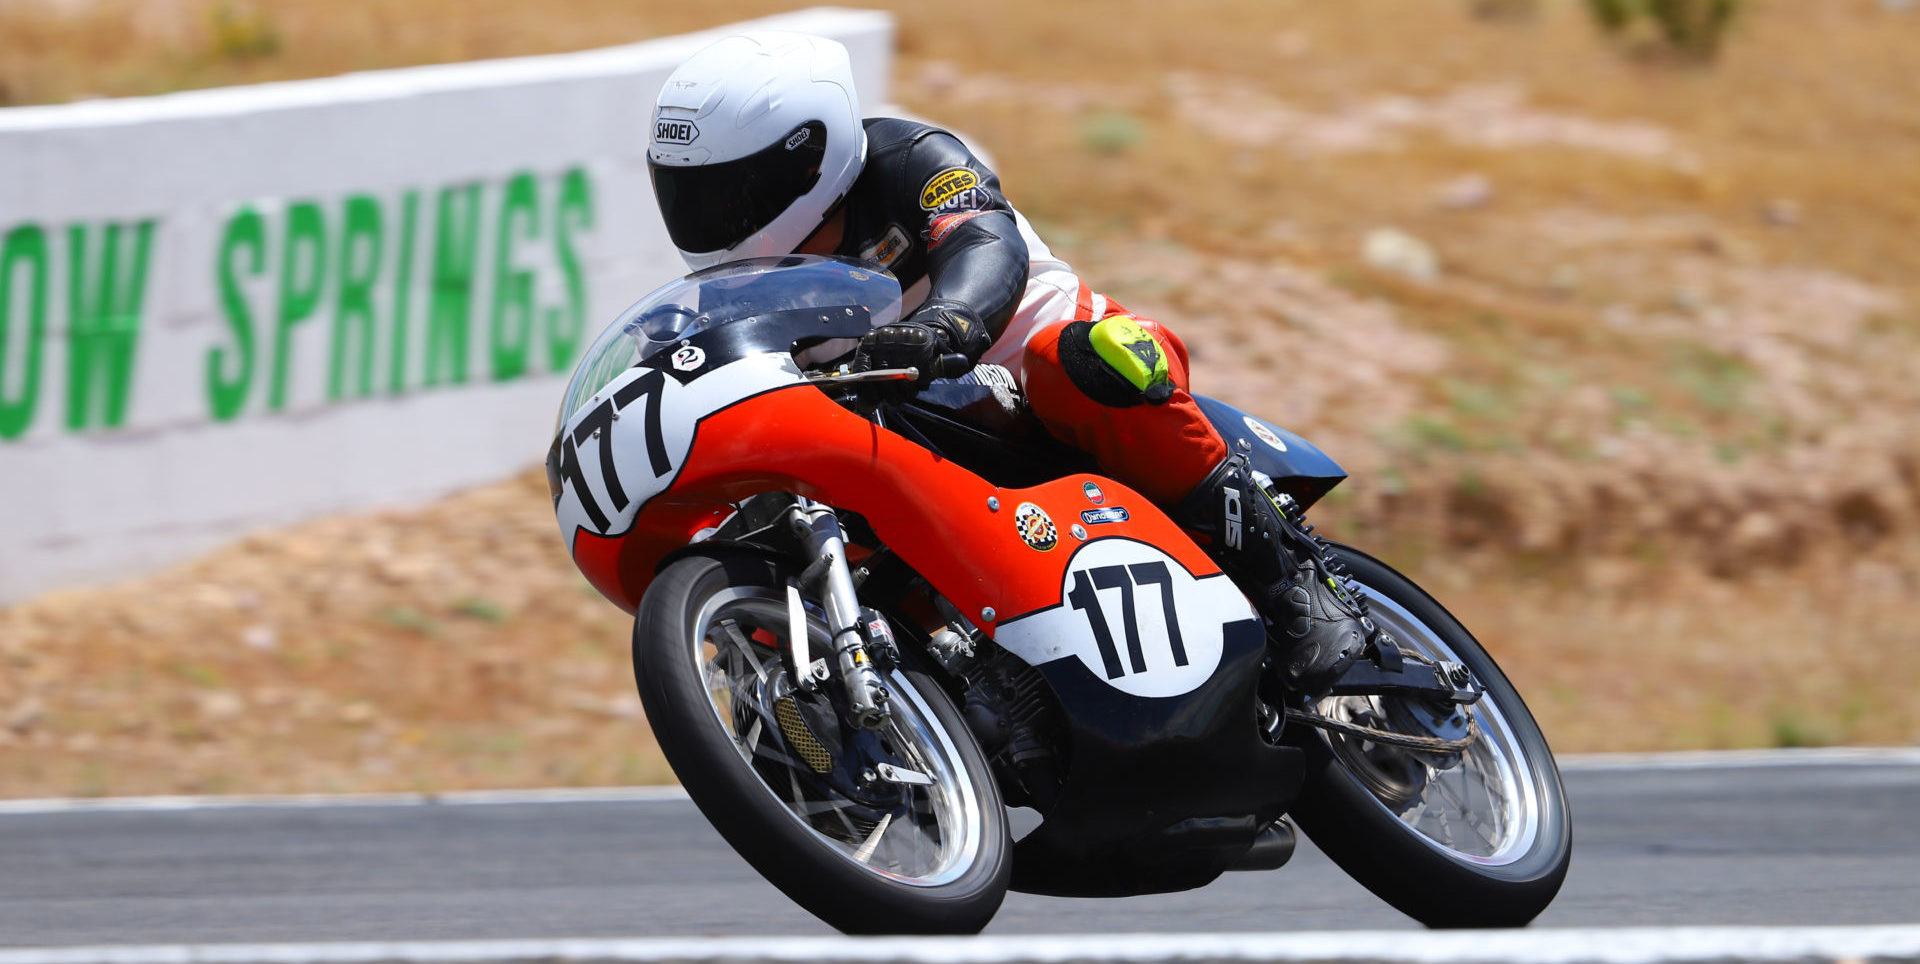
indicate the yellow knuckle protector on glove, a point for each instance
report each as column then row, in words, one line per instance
column 1130, row 351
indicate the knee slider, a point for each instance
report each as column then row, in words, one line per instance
column 1115, row 362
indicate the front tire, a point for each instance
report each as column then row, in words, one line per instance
column 791, row 787
column 1480, row 838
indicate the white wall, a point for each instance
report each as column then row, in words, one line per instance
column 278, row 215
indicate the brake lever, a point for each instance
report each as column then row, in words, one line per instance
column 866, row 377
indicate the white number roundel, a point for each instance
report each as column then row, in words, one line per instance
column 1134, row 617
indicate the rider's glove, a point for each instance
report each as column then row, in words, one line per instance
column 905, row 344
column 942, row 339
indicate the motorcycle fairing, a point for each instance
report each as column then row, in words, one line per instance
column 960, row 532
column 1297, row 466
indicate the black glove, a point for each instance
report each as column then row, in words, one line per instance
column 910, row 344
column 965, row 334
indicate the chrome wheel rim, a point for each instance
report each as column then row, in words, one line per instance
column 930, row 835
column 1480, row 805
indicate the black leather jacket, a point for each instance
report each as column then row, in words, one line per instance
column 925, row 207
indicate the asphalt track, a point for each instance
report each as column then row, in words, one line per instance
column 1822, row 839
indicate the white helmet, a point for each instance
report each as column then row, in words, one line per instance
column 755, row 139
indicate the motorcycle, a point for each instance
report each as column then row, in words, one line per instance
column 869, row 620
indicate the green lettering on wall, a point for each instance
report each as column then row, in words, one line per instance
column 246, row 234
column 303, row 272
column 402, row 295
column 360, row 244
column 456, row 246
column 24, row 251
column 573, row 213
column 103, row 325
column 512, row 329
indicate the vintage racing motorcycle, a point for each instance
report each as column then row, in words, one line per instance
column 869, row 621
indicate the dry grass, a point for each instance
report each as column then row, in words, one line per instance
column 1648, row 433
column 452, row 647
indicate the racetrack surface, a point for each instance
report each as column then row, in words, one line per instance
column 1756, row 841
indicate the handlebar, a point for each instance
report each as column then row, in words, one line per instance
column 946, row 366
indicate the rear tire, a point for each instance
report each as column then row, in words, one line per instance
column 936, row 858
column 1395, row 822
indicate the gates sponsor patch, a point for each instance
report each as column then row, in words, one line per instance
column 1035, row 526
column 945, row 186
column 675, row 132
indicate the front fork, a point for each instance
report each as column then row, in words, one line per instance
column 830, row 581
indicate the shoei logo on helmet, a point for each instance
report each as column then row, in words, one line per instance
column 675, row 132
column 942, row 187
column 799, row 137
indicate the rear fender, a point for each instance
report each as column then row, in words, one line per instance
column 1297, row 466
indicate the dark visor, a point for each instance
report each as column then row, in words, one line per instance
column 713, row 206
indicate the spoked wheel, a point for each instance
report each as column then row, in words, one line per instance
column 1473, row 837
column 894, row 830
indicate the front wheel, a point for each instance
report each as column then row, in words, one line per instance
column 1474, row 838
column 897, row 830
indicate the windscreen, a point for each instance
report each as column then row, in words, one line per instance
column 723, row 294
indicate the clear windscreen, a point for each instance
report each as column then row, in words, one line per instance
column 723, row 294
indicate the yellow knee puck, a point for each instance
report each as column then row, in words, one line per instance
column 1129, row 350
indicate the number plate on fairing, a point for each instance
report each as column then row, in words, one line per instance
column 630, row 446
column 1135, row 617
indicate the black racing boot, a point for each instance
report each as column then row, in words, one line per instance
column 1318, row 626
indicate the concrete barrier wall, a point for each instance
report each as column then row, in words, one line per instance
column 226, row 309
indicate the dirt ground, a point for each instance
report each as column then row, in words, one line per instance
column 1619, row 350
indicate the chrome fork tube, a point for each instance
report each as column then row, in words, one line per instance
column 830, row 579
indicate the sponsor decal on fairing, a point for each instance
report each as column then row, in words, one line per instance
column 1035, row 527
column 1264, row 433
column 686, row 358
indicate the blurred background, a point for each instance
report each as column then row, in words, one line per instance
column 1611, row 308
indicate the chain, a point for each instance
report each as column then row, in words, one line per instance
column 1430, row 743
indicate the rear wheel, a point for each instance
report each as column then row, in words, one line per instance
column 1474, row 838
column 895, row 830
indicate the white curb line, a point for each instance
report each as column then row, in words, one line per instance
column 456, row 798
column 1542, row 946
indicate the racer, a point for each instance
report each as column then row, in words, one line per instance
column 758, row 148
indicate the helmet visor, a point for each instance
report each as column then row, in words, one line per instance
column 710, row 207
